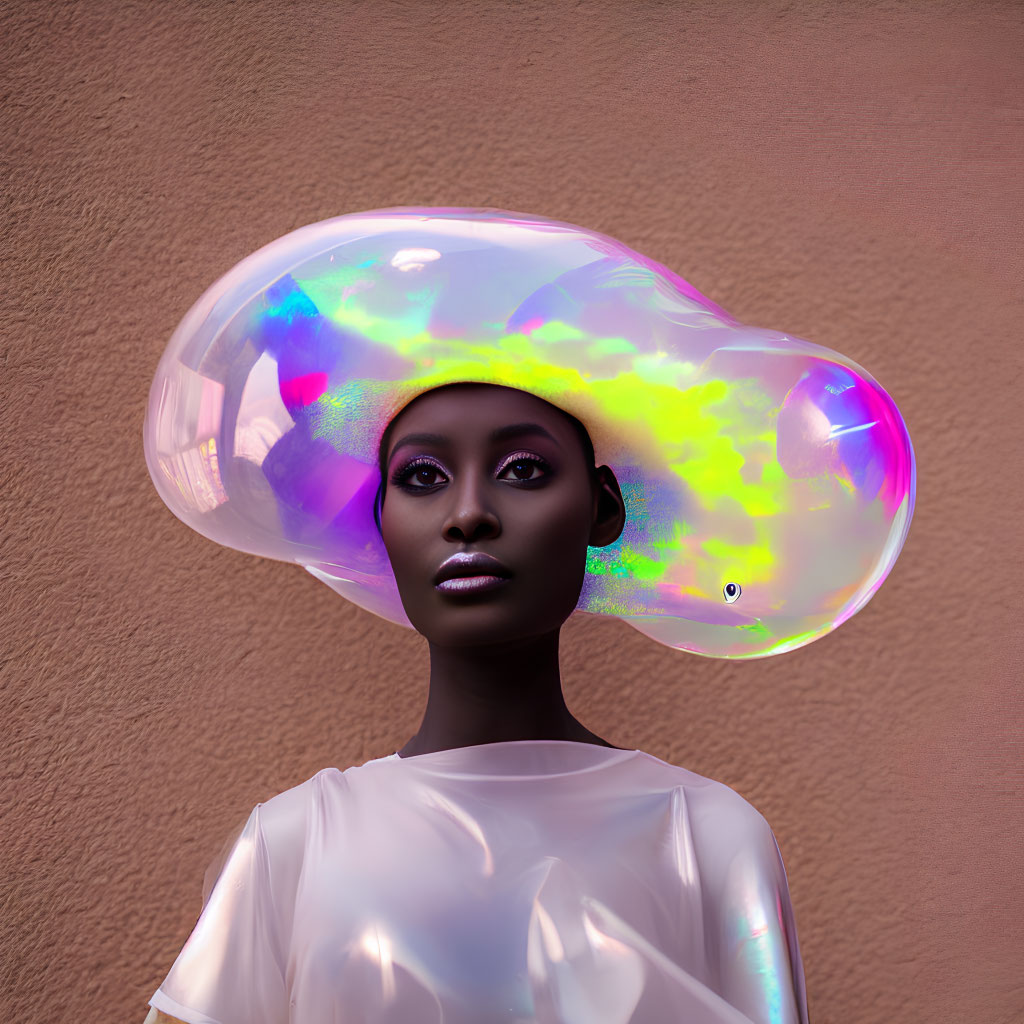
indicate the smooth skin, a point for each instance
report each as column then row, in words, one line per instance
column 533, row 500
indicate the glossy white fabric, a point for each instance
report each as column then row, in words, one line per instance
column 530, row 881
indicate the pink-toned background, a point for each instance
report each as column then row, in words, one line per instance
column 849, row 173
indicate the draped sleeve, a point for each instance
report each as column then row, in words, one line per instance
column 231, row 969
column 749, row 921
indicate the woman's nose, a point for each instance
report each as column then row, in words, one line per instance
column 471, row 514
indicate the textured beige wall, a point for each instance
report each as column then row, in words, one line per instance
column 847, row 173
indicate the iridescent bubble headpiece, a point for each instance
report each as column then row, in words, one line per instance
column 768, row 481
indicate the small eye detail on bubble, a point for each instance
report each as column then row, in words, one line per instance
column 732, row 591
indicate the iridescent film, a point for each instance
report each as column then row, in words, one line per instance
column 552, row 882
column 769, row 482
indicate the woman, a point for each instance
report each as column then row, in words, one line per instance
column 506, row 864
column 527, row 506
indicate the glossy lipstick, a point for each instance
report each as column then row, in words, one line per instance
column 470, row 571
column 464, row 584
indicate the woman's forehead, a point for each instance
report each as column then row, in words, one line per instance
column 490, row 408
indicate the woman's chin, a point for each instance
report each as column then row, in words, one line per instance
column 471, row 634
column 467, row 619
column 479, row 627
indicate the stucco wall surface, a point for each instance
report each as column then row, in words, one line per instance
column 847, row 173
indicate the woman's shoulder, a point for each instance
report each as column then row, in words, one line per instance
column 283, row 819
column 711, row 806
column 283, row 804
column 281, row 822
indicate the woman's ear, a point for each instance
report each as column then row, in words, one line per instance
column 609, row 515
column 378, row 506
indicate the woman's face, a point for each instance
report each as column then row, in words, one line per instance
column 496, row 471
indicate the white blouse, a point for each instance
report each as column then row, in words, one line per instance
column 527, row 881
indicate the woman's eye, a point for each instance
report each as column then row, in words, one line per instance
column 524, row 468
column 421, row 476
column 425, row 475
column 418, row 475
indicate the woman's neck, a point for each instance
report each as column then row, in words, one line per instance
column 494, row 694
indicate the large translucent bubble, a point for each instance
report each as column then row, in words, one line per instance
column 769, row 482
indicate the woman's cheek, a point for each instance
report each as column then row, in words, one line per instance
column 561, row 532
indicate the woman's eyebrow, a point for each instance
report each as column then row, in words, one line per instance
column 500, row 434
column 417, row 439
column 521, row 430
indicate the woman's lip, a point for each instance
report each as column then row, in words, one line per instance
column 469, row 563
column 466, row 584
